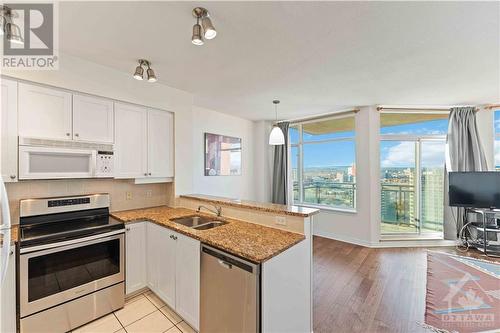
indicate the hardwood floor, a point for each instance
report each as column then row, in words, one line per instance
column 359, row 289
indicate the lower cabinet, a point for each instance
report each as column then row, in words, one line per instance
column 135, row 263
column 8, row 298
column 168, row 263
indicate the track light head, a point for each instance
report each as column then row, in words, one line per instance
column 208, row 27
column 197, row 38
column 139, row 73
column 151, row 75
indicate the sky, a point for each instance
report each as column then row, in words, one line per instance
column 392, row 153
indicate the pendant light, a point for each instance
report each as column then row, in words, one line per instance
column 276, row 137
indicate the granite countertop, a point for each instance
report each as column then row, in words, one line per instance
column 250, row 241
column 262, row 206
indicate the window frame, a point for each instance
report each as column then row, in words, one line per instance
column 417, row 140
column 300, row 162
column 496, row 137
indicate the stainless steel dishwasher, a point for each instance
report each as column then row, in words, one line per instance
column 230, row 293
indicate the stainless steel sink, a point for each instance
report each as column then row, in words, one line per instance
column 198, row 222
column 209, row 225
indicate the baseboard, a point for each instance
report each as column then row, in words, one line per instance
column 386, row 243
column 346, row 239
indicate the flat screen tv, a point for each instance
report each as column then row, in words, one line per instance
column 474, row 189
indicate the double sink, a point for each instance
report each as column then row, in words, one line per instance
column 198, row 222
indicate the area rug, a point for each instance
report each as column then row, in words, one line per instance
column 463, row 294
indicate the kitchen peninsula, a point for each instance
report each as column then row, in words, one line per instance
column 274, row 238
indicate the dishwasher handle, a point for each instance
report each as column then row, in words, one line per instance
column 230, row 261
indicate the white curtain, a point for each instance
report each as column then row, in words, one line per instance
column 464, row 152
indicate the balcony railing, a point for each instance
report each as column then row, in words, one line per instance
column 342, row 195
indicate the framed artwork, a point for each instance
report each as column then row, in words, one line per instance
column 222, row 155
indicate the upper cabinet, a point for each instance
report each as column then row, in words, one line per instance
column 92, row 119
column 160, row 143
column 44, row 112
column 144, row 143
column 130, row 141
column 56, row 114
column 8, row 130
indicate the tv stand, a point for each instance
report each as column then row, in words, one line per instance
column 488, row 250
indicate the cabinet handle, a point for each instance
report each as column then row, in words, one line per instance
column 76, row 134
column 175, row 237
column 127, row 228
column 149, row 173
column 12, row 176
column 68, row 134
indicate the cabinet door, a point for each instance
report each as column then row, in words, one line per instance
column 135, row 257
column 166, row 266
column 92, row 119
column 187, row 279
column 160, row 143
column 44, row 112
column 8, row 130
column 8, row 298
column 130, row 141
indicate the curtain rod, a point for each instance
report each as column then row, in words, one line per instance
column 323, row 115
column 380, row 108
column 492, row 106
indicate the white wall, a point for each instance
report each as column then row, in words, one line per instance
column 240, row 187
column 357, row 227
column 263, row 154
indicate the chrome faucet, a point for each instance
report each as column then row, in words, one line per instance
column 217, row 211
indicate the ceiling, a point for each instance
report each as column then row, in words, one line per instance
column 315, row 57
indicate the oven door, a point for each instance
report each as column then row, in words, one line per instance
column 53, row 162
column 48, row 277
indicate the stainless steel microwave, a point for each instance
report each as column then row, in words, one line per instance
column 54, row 159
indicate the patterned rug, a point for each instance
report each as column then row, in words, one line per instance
column 463, row 294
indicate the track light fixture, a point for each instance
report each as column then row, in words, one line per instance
column 11, row 30
column 139, row 71
column 205, row 30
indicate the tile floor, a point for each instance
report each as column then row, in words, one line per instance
column 144, row 313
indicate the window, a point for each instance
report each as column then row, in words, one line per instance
column 323, row 162
column 497, row 140
column 412, row 159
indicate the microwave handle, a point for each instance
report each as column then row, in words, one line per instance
column 93, row 164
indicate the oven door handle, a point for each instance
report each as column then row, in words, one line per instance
column 74, row 243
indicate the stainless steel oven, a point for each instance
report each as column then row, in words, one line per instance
column 71, row 265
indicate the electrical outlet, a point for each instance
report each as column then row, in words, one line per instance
column 280, row 220
column 128, row 195
column 149, row 193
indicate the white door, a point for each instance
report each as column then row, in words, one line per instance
column 44, row 112
column 166, row 267
column 160, row 143
column 8, row 298
column 8, row 130
column 187, row 279
column 135, row 257
column 130, row 141
column 92, row 119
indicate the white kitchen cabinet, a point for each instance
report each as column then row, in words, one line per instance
column 8, row 130
column 173, row 266
column 130, row 141
column 161, row 262
column 8, row 298
column 92, row 119
column 187, row 279
column 44, row 112
column 135, row 257
column 160, row 143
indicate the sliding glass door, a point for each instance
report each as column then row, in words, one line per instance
column 412, row 160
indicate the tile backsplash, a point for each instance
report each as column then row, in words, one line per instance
column 123, row 192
